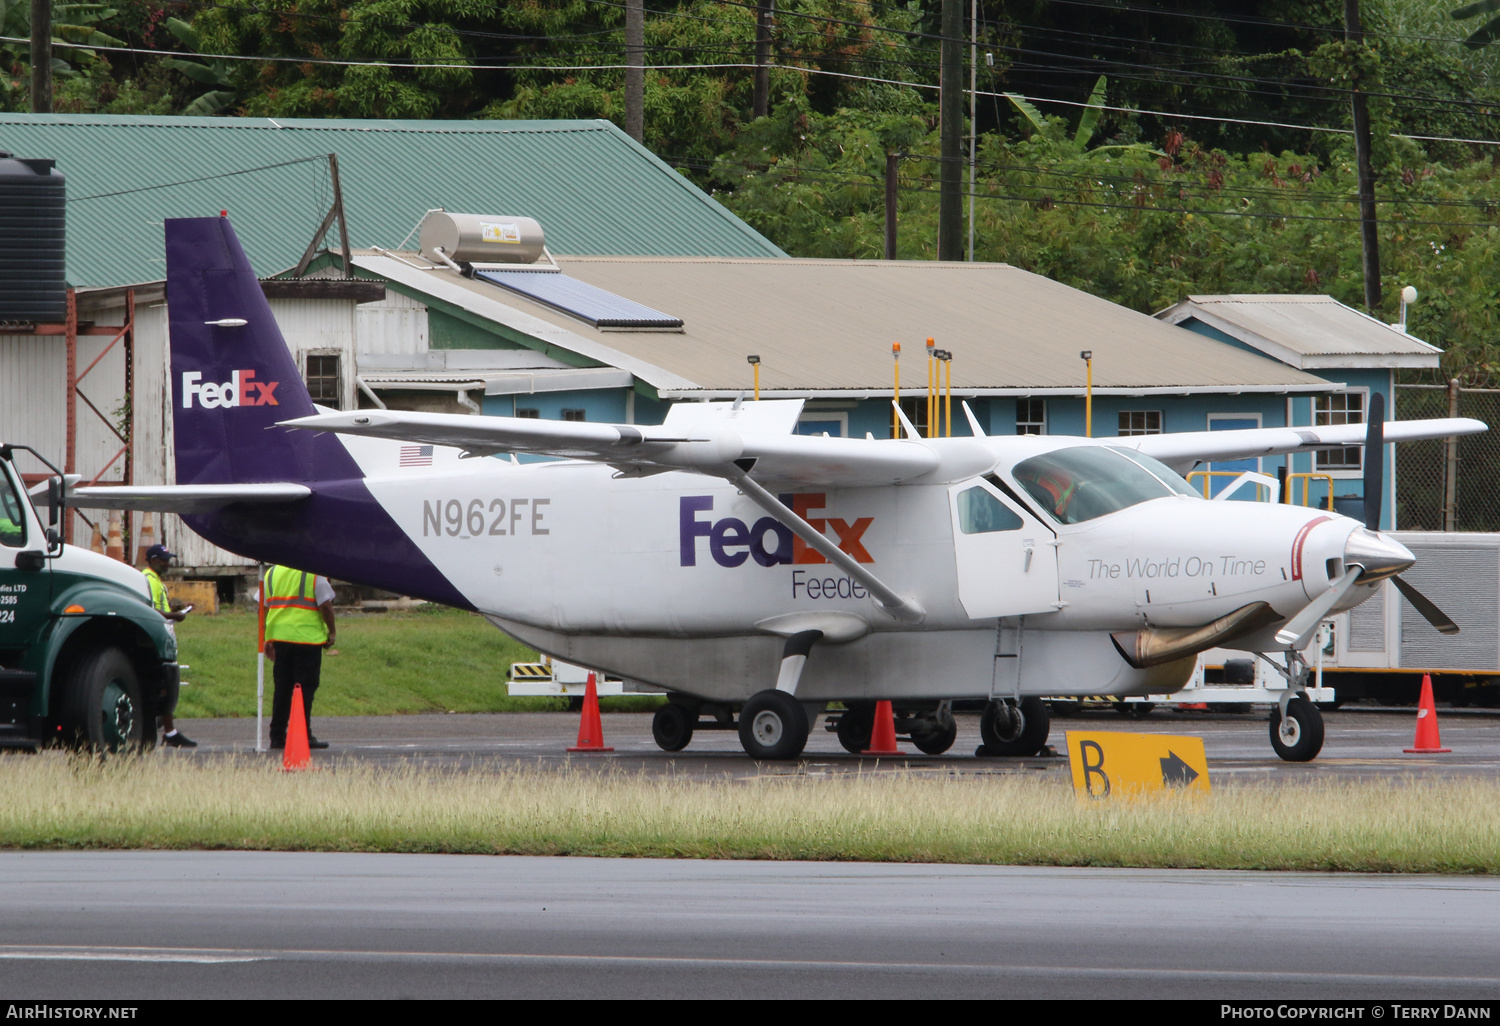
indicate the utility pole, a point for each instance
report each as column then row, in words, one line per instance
column 951, row 106
column 635, row 69
column 892, row 166
column 762, row 101
column 41, row 56
column 1369, row 239
column 973, row 116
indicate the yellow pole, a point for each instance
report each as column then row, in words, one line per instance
column 1088, row 400
column 948, row 363
column 754, row 361
column 931, row 386
column 896, row 395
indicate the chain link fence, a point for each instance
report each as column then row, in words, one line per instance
column 1422, row 468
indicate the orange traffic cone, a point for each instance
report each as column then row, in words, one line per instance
column 1427, row 739
column 590, row 729
column 114, row 545
column 147, row 539
column 96, row 542
column 883, row 736
column 296, row 755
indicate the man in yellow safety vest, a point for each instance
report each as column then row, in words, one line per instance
column 158, row 558
column 299, row 625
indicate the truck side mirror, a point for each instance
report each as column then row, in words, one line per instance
column 54, row 499
column 30, row 560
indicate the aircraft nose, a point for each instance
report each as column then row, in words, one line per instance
column 1378, row 556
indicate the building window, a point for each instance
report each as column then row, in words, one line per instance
column 1140, row 422
column 1330, row 411
column 916, row 412
column 528, row 413
column 1031, row 416
column 325, row 383
column 573, row 415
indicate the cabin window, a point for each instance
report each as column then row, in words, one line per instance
column 1330, row 411
column 1140, row 422
column 325, row 382
column 1031, row 416
column 979, row 512
column 1087, row 481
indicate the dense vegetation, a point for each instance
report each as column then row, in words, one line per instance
column 1167, row 147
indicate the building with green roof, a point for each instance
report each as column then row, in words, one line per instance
column 595, row 190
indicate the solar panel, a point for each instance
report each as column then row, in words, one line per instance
column 579, row 299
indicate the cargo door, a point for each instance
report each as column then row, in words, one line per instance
column 1006, row 562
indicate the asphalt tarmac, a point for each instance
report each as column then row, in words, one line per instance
column 1360, row 743
column 125, row 926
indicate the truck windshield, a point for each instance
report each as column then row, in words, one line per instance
column 1087, row 481
column 12, row 519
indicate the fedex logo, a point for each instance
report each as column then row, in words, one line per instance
column 240, row 390
column 768, row 541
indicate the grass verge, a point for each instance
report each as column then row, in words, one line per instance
column 55, row 800
column 430, row 659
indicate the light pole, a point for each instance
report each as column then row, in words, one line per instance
column 1088, row 394
column 754, row 361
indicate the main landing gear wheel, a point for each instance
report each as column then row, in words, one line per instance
column 1014, row 730
column 672, row 726
column 102, row 707
column 940, row 738
column 773, row 725
column 1297, row 737
column 855, row 726
column 1135, row 710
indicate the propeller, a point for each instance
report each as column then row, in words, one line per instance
column 1369, row 555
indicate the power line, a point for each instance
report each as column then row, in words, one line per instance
column 205, row 178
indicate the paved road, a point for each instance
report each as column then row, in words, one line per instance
column 132, row 925
column 1360, row 744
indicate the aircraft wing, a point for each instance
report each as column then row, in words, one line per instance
column 1182, row 451
column 704, row 447
column 182, row 498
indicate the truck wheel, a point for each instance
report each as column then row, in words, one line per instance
column 1298, row 737
column 856, row 725
column 101, row 704
column 937, row 740
column 672, row 726
column 773, row 725
column 1020, row 731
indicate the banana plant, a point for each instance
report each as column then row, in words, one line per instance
column 1088, row 120
column 1486, row 33
column 215, row 72
column 71, row 23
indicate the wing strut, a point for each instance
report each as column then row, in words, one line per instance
column 902, row 607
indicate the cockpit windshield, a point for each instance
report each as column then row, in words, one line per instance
column 1089, row 481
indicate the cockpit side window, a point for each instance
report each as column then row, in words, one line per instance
column 1084, row 482
column 979, row 512
column 12, row 515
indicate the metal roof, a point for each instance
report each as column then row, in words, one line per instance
column 593, row 188
column 1308, row 332
column 825, row 327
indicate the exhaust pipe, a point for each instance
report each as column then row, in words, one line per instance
column 1153, row 646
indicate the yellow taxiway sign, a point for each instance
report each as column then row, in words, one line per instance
column 1116, row 762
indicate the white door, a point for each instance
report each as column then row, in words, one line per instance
column 1007, row 564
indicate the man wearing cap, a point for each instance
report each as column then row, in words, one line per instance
column 299, row 625
column 157, row 560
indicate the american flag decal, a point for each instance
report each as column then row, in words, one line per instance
column 416, row 456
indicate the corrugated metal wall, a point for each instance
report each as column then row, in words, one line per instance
column 395, row 326
column 32, row 411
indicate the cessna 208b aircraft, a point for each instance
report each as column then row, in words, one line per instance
column 751, row 570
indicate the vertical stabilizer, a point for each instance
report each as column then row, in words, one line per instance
column 232, row 375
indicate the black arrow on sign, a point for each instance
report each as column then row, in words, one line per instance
column 1175, row 772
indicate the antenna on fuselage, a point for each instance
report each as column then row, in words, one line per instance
column 973, row 421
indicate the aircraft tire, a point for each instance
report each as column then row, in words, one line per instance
column 773, row 725
column 672, row 726
column 1029, row 739
column 938, row 740
column 856, row 725
column 1302, row 738
column 1135, row 710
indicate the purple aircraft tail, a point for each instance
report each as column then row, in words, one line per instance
column 233, row 379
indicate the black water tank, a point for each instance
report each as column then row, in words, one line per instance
column 33, row 215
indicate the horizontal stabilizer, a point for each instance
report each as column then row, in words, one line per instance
column 182, row 498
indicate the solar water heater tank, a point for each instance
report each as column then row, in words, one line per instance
column 482, row 238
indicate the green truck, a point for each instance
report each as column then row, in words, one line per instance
column 84, row 659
